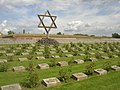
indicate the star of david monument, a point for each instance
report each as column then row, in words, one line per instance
column 47, row 28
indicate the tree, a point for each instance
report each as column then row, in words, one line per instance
column 115, row 35
column 59, row 33
column 10, row 32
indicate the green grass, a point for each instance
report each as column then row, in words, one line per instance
column 110, row 81
column 104, row 82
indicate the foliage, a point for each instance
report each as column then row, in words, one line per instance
column 10, row 32
column 46, row 51
column 65, row 74
column 107, row 65
column 115, row 35
column 32, row 79
column 59, row 33
column 90, row 68
column 3, row 67
column 53, row 62
column 98, row 55
column 10, row 58
column 86, row 57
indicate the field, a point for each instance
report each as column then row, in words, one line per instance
column 105, row 54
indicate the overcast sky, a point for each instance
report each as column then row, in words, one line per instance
column 99, row 17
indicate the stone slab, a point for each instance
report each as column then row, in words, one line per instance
column 22, row 59
column 25, row 53
column 115, row 56
column 40, row 57
column 11, row 87
column 79, row 61
column 38, row 53
column 18, row 69
column 63, row 63
column 68, row 55
column 92, row 59
column 56, row 56
column 3, row 60
column 49, row 82
column 115, row 67
column 43, row 66
column 79, row 76
column 105, row 57
column 9, row 54
column 100, row 71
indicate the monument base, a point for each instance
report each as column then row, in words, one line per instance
column 48, row 41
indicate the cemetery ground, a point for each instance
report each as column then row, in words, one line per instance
column 15, row 60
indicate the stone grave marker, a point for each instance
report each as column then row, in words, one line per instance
column 43, row 66
column 40, row 57
column 38, row 53
column 63, row 63
column 91, row 53
column 92, row 59
column 82, row 54
column 41, row 50
column 55, row 56
column 3, row 60
column 11, row 87
column 18, row 48
column 79, row 76
column 9, row 54
column 29, row 47
column 2, row 51
column 115, row 67
column 22, row 59
column 64, row 51
column 28, row 51
column 68, row 55
column 49, row 82
column 79, row 61
column 115, row 56
column 52, row 52
column 100, row 71
column 101, row 52
column 105, row 57
column 18, row 69
column 25, row 53
column 53, row 49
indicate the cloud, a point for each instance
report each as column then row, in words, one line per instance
column 77, row 16
column 5, row 27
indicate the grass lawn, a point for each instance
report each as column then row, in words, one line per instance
column 110, row 81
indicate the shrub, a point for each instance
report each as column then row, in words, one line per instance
column 107, row 65
column 65, row 74
column 90, row 69
column 110, row 55
column 86, row 57
column 32, row 79
column 3, row 67
column 98, row 55
column 53, row 62
column 10, row 58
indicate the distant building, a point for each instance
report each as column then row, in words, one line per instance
column 23, row 31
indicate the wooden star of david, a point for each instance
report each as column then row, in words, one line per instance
column 42, row 25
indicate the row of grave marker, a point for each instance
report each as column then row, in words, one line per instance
column 49, row 82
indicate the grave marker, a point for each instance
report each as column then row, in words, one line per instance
column 50, row 82
column 43, row 66
column 100, row 71
column 11, row 87
column 79, row 76
column 63, row 63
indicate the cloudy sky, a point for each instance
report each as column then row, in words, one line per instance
column 99, row 17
